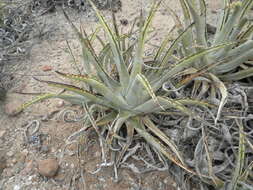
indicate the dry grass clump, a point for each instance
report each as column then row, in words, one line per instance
column 16, row 26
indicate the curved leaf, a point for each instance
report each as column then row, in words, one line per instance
column 238, row 75
column 91, row 97
column 184, row 64
column 148, row 123
column 110, row 94
column 138, row 126
column 119, row 62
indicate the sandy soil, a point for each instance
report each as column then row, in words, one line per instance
column 19, row 157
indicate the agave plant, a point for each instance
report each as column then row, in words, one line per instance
column 213, row 70
column 127, row 87
column 232, row 62
column 227, row 64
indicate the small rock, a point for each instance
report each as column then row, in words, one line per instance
column 2, row 133
column 48, row 167
column 12, row 108
column 8, row 172
column 10, row 154
column 14, row 161
column 53, row 150
column 60, row 104
column 25, row 152
column 82, row 162
column 46, row 68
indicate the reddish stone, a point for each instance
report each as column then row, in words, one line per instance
column 48, row 167
column 46, row 68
